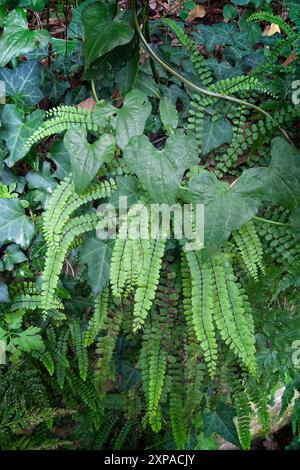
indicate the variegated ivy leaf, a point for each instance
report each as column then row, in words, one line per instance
column 215, row 133
column 15, row 226
column 15, row 131
column 22, row 83
column 161, row 172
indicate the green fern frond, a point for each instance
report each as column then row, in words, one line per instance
column 250, row 248
column 202, row 305
column 270, row 18
column 61, row 119
column 197, row 59
column 229, row 313
column 147, row 281
column 99, row 316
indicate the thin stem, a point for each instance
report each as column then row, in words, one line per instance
column 267, row 221
column 94, row 91
column 192, row 85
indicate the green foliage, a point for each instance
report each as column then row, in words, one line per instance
column 126, row 335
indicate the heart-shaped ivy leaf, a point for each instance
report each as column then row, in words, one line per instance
column 86, row 158
column 161, row 171
column 132, row 117
column 281, row 178
column 226, row 208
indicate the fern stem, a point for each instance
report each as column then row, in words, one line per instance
column 267, row 221
column 192, row 85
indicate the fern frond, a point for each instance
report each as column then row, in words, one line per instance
column 202, row 307
column 229, row 313
column 270, row 18
column 147, row 281
column 99, row 316
column 197, row 59
column 60, row 120
column 249, row 245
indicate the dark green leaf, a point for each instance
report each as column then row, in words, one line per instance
column 96, row 254
column 221, row 422
column 22, row 83
column 103, row 33
column 15, row 226
column 15, row 131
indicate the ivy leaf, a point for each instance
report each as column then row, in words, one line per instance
column 169, row 115
column 16, row 39
column 126, row 76
column 13, row 255
column 126, row 186
column 15, row 132
column 15, row 226
column 43, row 182
column 220, row 421
column 61, row 157
column 22, row 83
column 76, row 29
column 4, row 297
column 215, row 133
column 29, row 340
column 103, row 33
column 132, row 117
column 86, row 158
column 211, row 36
column 161, row 172
column 130, row 376
column 226, row 208
column 96, row 254
column 281, row 178
column 52, row 87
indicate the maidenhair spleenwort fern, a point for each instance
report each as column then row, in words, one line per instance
column 60, row 232
column 217, row 300
column 244, row 135
column 250, row 248
column 270, row 18
column 61, row 119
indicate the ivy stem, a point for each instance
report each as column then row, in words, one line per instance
column 94, row 91
column 267, row 221
column 190, row 84
column 147, row 35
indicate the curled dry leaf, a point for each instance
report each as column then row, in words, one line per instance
column 197, row 12
column 270, row 30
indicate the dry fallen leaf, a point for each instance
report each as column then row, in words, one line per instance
column 197, row 12
column 88, row 104
column 272, row 29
